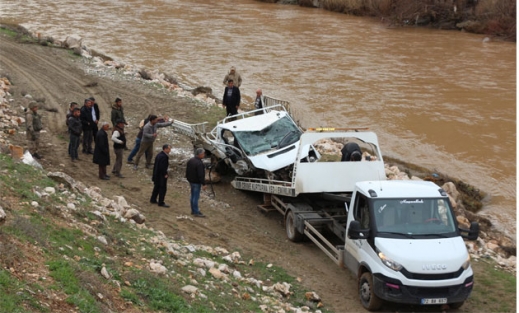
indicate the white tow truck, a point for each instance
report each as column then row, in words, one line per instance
column 400, row 238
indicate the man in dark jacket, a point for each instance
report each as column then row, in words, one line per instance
column 231, row 98
column 195, row 174
column 351, row 152
column 97, row 113
column 88, row 124
column 160, row 176
column 102, row 151
column 118, row 112
column 74, row 129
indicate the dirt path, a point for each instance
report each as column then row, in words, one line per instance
column 233, row 221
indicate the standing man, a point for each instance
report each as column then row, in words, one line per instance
column 96, row 115
column 231, row 98
column 74, row 129
column 233, row 75
column 34, row 126
column 149, row 134
column 88, row 126
column 70, row 113
column 160, row 176
column 195, row 174
column 119, row 140
column 117, row 112
column 258, row 103
column 102, row 151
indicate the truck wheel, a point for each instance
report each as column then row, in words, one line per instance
column 368, row 298
column 456, row 305
column 290, row 226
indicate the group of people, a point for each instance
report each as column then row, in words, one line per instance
column 232, row 97
column 85, row 122
column 85, row 127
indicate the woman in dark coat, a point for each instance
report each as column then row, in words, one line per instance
column 102, row 151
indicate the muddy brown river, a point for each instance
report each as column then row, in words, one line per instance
column 444, row 100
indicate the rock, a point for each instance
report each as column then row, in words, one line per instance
column 50, row 190
column 216, row 273
column 71, row 206
column 450, row 188
column 202, row 90
column 131, row 213
column 121, row 201
column 312, row 296
column 236, row 275
column 139, row 218
column 73, row 41
column 3, row 216
column 65, row 179
column 282, row 288
column 157, row 268
column 34, row 204
column 102, row 239
column 189, row 289
column 105, row 273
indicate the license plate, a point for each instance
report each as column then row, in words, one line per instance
column 434, row 301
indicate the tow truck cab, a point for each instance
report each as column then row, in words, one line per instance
column 404, row 245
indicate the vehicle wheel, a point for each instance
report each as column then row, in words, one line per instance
column 456, row 305
column 368, row 298
column 290, row 226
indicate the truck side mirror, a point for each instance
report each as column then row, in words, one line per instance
column 355, row 232
column 472, row 233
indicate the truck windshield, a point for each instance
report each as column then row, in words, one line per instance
column 279, row 134
column 414, row 217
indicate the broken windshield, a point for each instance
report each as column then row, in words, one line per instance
column 279, row 134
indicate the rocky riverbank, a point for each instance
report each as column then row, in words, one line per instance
column 491, row 244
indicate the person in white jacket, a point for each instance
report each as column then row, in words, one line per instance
column 119, row 140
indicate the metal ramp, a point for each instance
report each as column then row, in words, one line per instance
column 193, row 131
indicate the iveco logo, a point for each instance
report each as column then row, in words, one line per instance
column 434, row 267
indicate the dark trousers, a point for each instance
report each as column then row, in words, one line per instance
column 160, row 191
column 73, row 146
column 88, row 137
column 102, row 171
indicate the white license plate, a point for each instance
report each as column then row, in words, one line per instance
column 434, row 301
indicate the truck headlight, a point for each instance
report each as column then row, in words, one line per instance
column 466, row 264
column 395, row 266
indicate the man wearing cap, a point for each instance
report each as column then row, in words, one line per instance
column 102, row 151
column 118, row 114
column 160, row 176
column 234, row 75
column 34, row 126
column 231, row 98
column 195, row 175
column 89, row 125
column 119, row 140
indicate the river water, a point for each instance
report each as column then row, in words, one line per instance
column 444, row 100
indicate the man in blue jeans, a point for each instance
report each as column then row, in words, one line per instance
column 195, row 174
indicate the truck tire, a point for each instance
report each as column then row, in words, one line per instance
column 370, row 301
column 290, row 227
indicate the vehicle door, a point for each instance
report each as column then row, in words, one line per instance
column 359, row 212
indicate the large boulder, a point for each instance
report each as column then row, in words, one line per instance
column 73, row 42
